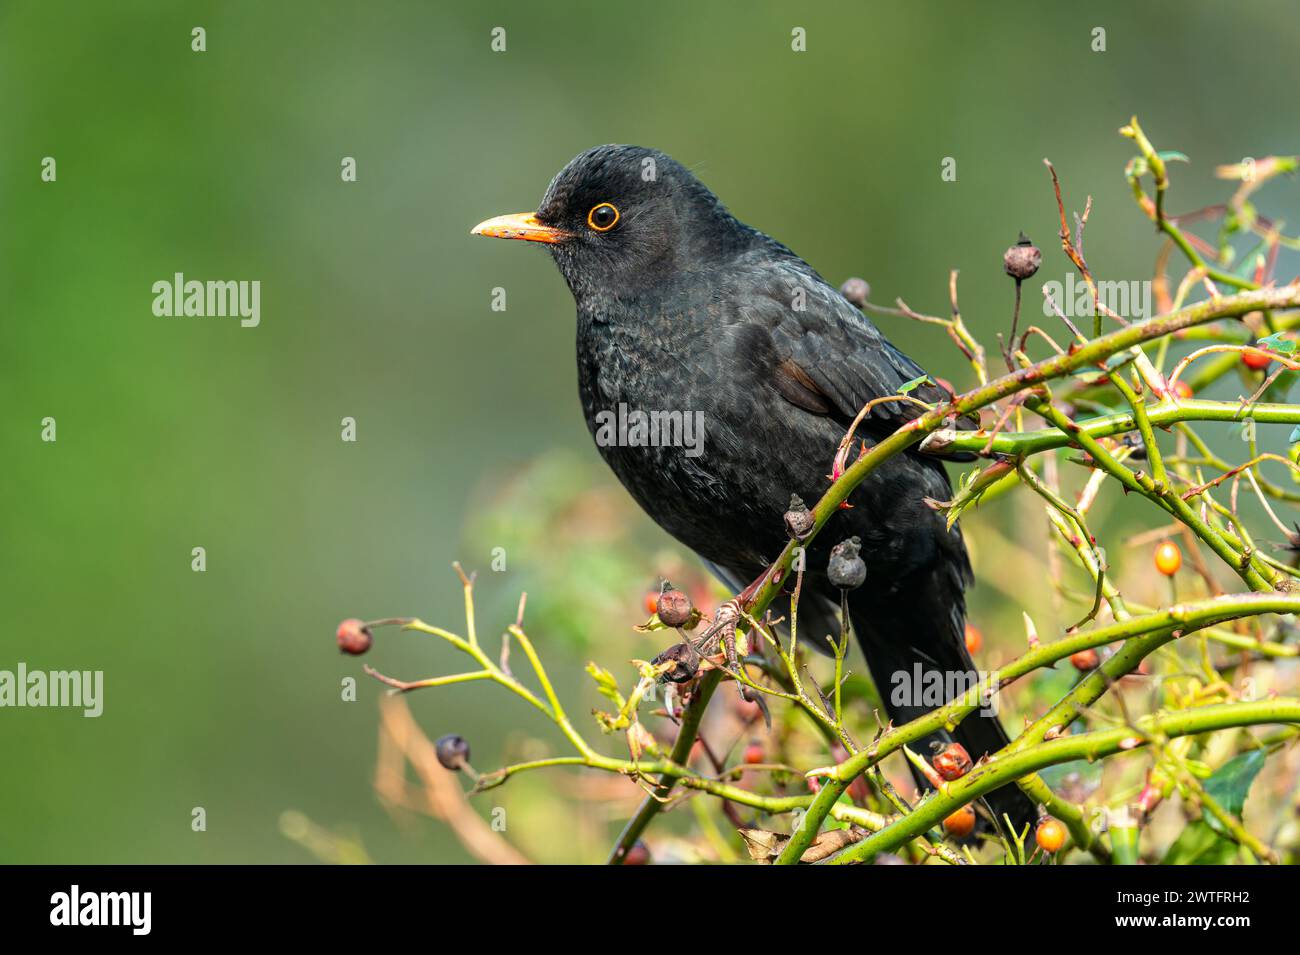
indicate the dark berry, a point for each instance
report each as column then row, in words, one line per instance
column 453, row 752
column 1021, row 261
column 686, row 662
column 846, row 569
column 799, row 520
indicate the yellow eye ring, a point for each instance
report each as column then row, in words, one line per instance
column 603, row 217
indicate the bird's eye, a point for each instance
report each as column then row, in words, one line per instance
column 602, row 217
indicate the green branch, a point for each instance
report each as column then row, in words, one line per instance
column 1090, row 746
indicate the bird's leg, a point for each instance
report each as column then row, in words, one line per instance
column 723, row 630
column 728, row 616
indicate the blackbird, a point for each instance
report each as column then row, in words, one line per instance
column 686, row 313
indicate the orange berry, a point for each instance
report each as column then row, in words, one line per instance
column 1050, row 834
column 961, row 823
column 651, row 603
column 754, row 753
column 1182, row 389
column 974, row 639
column 1168, row 558
column 1085, row 660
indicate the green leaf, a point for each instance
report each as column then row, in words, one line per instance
column 1198, row 844
column 1277, row 343
column 1295, row 435
column 914, row 383
column 1230, row 784
column 1170, row 155
column 605, row 683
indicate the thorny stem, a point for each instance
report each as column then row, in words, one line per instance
column 1010, row 765
column 1162, row 415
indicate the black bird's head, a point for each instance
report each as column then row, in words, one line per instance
column 620, row 218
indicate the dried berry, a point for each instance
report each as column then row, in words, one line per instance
column 846, row 569
column 1021, row 261
column 1050, row 834
column 453, row 752
column 856, row 290
column 354, row 637
column 674, row 608
column 961, row 823
column 799, row 520
column 950, row 760
column 686, row 662
column 974, row 639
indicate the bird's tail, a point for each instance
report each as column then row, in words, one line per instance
column 916, row 651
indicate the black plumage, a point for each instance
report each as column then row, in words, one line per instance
column 683, row 308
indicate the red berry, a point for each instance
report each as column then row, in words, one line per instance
column 1168, row 558
column 951, row 761
column 754, row 753
column 651, row 602
column 354, row 637
column 637, row 855
column 961, row 823
column 974, row 639
column 1050, row 834
column 1256, row 360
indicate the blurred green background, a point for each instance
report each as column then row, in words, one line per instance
column 223, row 688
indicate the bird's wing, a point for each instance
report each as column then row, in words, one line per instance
column 828, row 358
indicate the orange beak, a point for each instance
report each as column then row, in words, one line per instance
column 520, row 225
